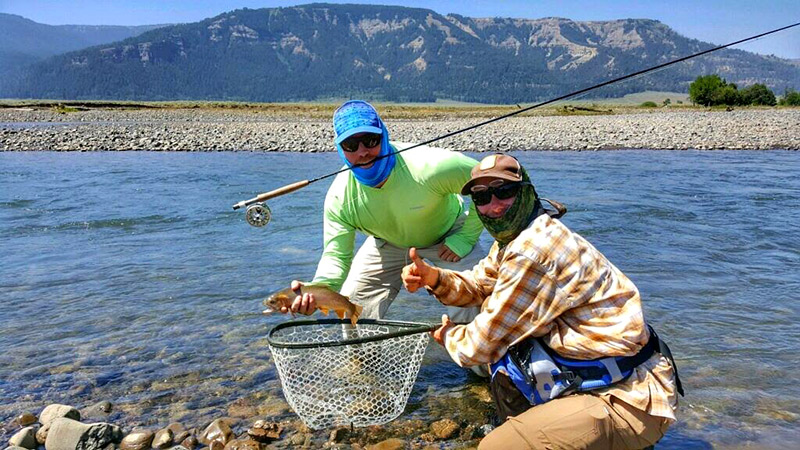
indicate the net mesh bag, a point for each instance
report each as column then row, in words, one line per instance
column 335, row 374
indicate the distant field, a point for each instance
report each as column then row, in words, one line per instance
column 316, row 110
column 641, row 97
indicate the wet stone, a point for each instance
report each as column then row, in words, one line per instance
column 26, row 419
column 444, row 429
column 98, row 410
column 41, row 434
column 427, row 437
column 68, row 434
column 469, row 432
column 243, row 444
column 242, row 408
column 25, row 437
column 263, row 431
column 388, row 444
column 339, row 435
column 137, row 440
column 179, row 432
column 162, row 439
column 219, row 431
column 190, row 442
column 297, row 439
column 55, row 411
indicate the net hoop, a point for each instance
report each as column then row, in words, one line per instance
column 408, row 328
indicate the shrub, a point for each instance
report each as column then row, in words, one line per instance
column 791, row 98
column 64, row 109
column 712, row 90
column 702, row 89
column 726, row 95
column 757, row 94
column 649, row 105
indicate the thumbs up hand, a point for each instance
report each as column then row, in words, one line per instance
column 419, row 273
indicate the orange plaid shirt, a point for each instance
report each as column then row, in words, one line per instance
column 552, row 283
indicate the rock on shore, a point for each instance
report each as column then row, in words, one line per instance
column 220, row 130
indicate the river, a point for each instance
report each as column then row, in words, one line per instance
column 127, row 277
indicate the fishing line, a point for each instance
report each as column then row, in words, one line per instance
column 258, row 214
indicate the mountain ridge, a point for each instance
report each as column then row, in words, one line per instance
column 24, row 42
column 317, row 51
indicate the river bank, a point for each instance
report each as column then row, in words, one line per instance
column 224, row 129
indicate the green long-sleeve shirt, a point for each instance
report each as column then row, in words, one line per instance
column 415, row 207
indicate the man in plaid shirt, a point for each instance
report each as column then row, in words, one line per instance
column 541, row 280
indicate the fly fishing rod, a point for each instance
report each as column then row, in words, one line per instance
column 258, row 214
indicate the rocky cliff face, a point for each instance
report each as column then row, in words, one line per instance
column 392, row 53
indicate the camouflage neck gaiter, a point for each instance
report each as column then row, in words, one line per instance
column 508, row 226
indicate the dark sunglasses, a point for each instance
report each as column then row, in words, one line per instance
column 370, row 140
column 482, row 195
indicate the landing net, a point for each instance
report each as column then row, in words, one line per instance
column 335, row 374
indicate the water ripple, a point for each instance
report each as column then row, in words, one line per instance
column 126, row 277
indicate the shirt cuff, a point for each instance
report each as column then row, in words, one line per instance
column 443, row 286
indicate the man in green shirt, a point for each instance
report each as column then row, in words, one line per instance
column 399, row 201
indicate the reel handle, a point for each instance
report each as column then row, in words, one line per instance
column 273, row 193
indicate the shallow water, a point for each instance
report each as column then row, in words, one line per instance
column 127, row 277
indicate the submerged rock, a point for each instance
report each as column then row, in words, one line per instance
column 388, row 444
column 25, row 419
column 444, row 429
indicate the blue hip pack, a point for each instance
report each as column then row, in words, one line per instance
column 541, row 375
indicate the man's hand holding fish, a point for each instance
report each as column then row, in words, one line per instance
column 302, row 299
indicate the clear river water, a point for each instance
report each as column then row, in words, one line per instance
column 127, row 277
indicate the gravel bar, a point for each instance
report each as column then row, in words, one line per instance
column 25, row 129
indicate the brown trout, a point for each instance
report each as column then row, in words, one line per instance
column 326, row 301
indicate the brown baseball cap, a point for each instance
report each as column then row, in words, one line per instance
column 499, row 166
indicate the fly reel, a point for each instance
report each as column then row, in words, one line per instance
column 258, row 214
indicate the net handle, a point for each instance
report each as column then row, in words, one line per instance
column 411, row 328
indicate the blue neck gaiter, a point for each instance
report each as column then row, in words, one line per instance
column 382, row 167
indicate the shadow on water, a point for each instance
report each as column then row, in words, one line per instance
column 675, row 441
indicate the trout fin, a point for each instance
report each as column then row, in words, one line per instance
column 356, row 313
column 323, row 310
column 339, row 313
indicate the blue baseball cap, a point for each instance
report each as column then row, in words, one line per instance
column 353, row 117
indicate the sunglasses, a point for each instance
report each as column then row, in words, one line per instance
column 482, row 194
column 370, row 140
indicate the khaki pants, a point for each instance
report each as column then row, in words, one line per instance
column 374, row 279
column 578, row 421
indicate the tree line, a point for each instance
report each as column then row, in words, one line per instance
column 711, row 90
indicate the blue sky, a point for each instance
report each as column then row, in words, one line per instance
column 713, row 21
